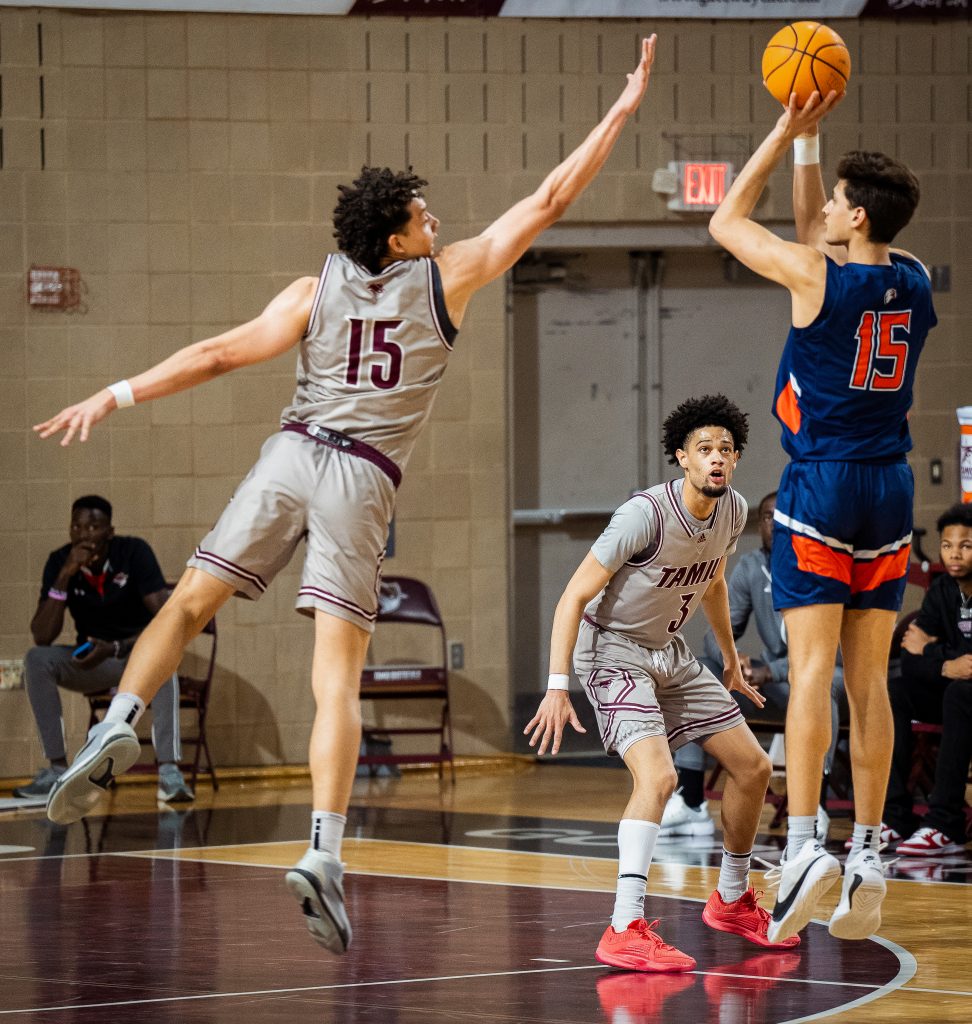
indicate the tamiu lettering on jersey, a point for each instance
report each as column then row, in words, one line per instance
column 688, row 575
column 663, row 560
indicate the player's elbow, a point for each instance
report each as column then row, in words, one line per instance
column 719, row 224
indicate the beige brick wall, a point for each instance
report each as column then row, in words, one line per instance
column 190, row 165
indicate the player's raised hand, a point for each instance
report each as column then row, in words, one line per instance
column 796, row 120
column 77, row 420
column 548, row 723
column 638, row 79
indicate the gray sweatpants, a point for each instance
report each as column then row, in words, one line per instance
column 47, row 668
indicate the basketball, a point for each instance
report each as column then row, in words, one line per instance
column 805, row 57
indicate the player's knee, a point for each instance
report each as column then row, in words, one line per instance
column 665, row 783
column 763, row 768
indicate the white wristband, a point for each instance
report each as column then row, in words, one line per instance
column 806, row 150
column 558, row 681
column 124, row 396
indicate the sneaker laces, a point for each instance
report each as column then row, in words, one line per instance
column 774, row 872
column 647, row 931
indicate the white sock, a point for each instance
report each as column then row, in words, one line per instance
column 799, row 828
column 636, row 844
column 734, row 875
column 125, row 707
column 327, row 831
column 865, row 837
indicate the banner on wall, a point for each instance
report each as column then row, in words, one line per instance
column 965, row 450
column 774, row 10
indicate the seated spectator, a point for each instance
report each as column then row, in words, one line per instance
column 935, row 685
column 112, row 586
column 750, row 596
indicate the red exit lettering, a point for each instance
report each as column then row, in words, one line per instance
column 704, row 184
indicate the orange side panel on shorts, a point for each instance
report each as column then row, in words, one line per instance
column 870, row 575
column 812, row 556
column 787, row 408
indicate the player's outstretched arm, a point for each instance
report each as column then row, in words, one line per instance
column 732, row 225
column 810, row 198
column 555, row 711
column 279, row 327
column 468, row 265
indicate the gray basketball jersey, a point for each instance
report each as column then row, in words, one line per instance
column 374, row 352
column 663, row 560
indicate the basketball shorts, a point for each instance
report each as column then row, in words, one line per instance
column 302, row 489
column 842, row 534
column 637, row 692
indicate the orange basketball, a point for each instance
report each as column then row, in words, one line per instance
column 805, row 57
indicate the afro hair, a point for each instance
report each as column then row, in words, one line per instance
column 373, row 207
column 707, row 411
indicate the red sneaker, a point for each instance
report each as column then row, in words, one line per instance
column 640, row 948
column 743, row 917
column 928, row 842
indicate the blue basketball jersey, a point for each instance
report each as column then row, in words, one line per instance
column 844, row 386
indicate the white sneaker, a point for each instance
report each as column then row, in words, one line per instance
column 858, row 913
column 111, row 748
column 802, row 882
column 681, row 820
column 317, row 882
column 928, row 842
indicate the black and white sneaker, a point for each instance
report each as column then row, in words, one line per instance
column 111, row 749
column 317, row 882
column 858, row 913
column 802, row 882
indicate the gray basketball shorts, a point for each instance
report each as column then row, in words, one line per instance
column 637, row 692
column 342, row 504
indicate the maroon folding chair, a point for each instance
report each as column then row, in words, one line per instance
column 406, row 603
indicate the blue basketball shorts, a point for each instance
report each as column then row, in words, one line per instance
column 842, row 534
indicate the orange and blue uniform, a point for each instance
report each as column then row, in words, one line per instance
column 843, row 521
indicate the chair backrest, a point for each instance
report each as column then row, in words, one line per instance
column 403, row 599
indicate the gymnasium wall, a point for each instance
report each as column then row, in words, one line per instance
column 188, row 170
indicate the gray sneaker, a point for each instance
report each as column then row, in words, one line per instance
column 41, row 784
column 317, row 882
column 111, row 749
column 172, row 786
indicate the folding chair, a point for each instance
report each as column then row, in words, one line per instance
column 405, row 603
column 193, row 696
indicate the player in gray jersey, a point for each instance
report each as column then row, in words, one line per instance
column 662, row 556
column 375, row 332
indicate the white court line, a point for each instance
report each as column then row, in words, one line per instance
column 428, row 980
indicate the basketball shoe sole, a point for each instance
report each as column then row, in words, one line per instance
column 111, row 749
column 802, row 883
column 858, row 914
column 317, row 883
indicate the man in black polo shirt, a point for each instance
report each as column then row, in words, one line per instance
column 112, row 586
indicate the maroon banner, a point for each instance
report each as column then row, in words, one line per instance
column 430, row 8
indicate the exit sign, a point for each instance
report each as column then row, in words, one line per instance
column 699, row 185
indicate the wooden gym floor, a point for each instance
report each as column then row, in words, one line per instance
column 477, row 903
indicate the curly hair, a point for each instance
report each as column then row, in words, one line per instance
column 957, row 515
column 373, row 207
column 707, row 411
column 885, row 188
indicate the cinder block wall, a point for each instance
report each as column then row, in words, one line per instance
column 187, row 164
